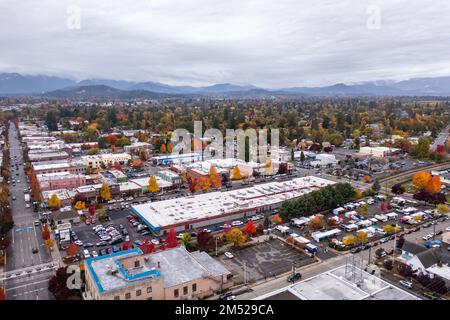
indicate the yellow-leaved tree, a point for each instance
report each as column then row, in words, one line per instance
column 105, row 193
column 54, row 201
column 153, row 186
column 236, row 237
column 80, row 205
column 236, row 173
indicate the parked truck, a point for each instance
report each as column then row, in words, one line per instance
column 27, row 197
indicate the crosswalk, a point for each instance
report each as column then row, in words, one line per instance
column 28, row 271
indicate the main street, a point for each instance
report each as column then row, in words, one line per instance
column 441, row 139
column 24, row 236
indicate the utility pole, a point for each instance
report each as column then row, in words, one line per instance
column 216, row 246
column 245, row 273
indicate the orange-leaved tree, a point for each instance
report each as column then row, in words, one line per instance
column 433, row 185
column 421, row 179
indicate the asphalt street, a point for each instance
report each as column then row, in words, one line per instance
column 24, row 236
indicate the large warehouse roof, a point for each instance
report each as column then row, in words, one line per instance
column 208, row 205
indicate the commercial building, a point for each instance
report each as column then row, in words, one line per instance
column 136, row 146
column 346, row 282
column 64, row 195
column 60, row 180
column 143, row 183
column 75, row 167
column 324, row 159
column 176, row 158
column 45, row 155
column 107, row 159
column 206, row 209
column 379, row 152
column 172, row 274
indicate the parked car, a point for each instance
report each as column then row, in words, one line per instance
column 237, row 223
column 407, row 284
column 356, row 250
column 101, row 243
column 86, row 254
column 88, row 245
column 294, row 277
column 94, row 254
column 225, row 295
column 427, row 236
column 229, row 255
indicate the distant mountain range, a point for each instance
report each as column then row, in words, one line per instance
column 56, row 87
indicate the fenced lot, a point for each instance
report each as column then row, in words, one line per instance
column 265, row 260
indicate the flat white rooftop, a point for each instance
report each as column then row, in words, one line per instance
column 214, row 204
column 336, row 284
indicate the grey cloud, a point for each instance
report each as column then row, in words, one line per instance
column 266, row 43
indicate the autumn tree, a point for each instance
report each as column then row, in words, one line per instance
column 250, row 227
column 235, row 236
column 105, row 194
column 268, row 168
column 398, row 189
column 143, row 154
column 204, row 183
column 163, row 148
column 361, row 236
column 433, row 185
column 349, row 240
column 169, row 147
column 421, row 179
column 137, row 163
column 72, row 249
column 2, row 294
column 205, row 241
column 54, row 201
column 172, row 238
column 236, row 173
column 277, row 219
column 45, row 232
column 153, row 186
column 358, row 194
column 316, row 223
column 186, row 239
column 57, row 285
column 214, row 178
column 442, row 209
column 80, row 205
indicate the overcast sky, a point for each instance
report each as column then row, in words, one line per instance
column 200, row 42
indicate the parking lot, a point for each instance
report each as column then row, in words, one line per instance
column 265, row 260
column 118, row 218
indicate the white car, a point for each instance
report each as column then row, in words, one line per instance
column 79, row 243
column 155, row 242
column 94, row 254
column 229, row 255
column 447, row 229
column 237, row 223
column 407, row 284
column 427, row 237
column 86, row 254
